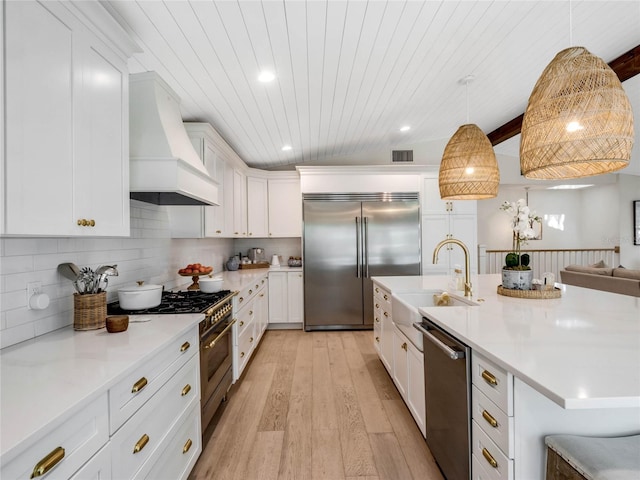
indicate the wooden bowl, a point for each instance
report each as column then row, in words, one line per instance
column 117, row 323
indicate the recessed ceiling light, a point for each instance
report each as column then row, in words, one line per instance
column 286, row 148
column 405, row 128
column 266, row 76
column 568, row 187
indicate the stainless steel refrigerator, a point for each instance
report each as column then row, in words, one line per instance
column 347, row 239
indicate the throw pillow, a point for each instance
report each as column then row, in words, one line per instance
column 599, row 264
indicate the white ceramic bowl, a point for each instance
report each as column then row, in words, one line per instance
column 140, row 296
column 210, row 285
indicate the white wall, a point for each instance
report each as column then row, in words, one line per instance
column 149, row 254
column 595, row 217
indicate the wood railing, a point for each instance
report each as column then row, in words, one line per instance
column 542, row 261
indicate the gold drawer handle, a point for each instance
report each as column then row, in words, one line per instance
column 250, row 292
column 185, row 390
column 218, row 231
column 241, row 354
column 241, row 299
column 241, row 323
column 251, row 340
column 386, row 314
column 185, row 346
column 404, row 346
column 377, row 305
column 377, row 290
column 187, row 446
column 250, row 312
column 262, row 294
column 489, row 378
column 377, row 320
column 489, row 458
column 48, row 462
column 257, row 286
column 139, row 385
column 489, row 418
column 378, row 339
column 385, row 297
column 144, row 439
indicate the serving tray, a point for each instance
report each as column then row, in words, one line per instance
column 533, row 294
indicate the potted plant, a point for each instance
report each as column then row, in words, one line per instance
column 516, row 273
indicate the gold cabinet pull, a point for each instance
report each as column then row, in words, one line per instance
column 489, row 418
column 48, row 462
column 385, row 297
column 218, row 231
column 489, row 458
column 386, row 314
column 489, row 378
column 404, row 346
column 185, row 390
column 241, row 299
column 139, row 385
column 262, row 294
column 92, row 223
column 250, row 291
column 377, row 320
column 187, row 446
column 140, row 444
column 250, row 312
column 378, row 339
column 250, row 339
column 241, row 323
column 185, row 346
column 257, row 286
column 377, row 305
column 241, row 354
column 377, row 290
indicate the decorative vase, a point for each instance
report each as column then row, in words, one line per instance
column 517, row 279
column 233, row 264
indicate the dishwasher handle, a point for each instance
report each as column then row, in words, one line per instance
column 451, row 353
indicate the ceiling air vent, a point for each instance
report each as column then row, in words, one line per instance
column 401, row 156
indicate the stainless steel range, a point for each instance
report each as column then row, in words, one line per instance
column 216, row 341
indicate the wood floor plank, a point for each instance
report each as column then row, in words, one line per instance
column 264, row 459
column 415, row 449
column 373, row 414
column 326, row 458
column 222, row 455
column 390, row 461
column 295, row 461
column 331, row 376
column 364, row 339
column 356, row 450
column 324, row 415
column 274, row 415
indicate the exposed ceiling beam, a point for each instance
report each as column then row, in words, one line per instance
column 626, row 66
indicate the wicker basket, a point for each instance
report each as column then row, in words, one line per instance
column 89, row 311
column 533, row 294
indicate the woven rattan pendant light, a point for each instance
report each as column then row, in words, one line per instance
column 469, row 169
column 578, row 121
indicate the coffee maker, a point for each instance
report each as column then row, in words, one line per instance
column 256, row 255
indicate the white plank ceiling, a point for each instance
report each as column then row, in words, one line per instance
column 349, row 74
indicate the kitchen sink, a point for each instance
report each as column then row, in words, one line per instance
column 404, row 306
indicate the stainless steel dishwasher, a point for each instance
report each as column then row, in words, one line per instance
column 447, row 367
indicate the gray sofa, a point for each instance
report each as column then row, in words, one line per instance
column 600, row 277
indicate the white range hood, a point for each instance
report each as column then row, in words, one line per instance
column 164, row 167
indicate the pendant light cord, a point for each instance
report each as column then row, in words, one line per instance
column 467, row 102
column 570, row 25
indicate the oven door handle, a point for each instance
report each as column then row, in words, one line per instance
column 215, row 340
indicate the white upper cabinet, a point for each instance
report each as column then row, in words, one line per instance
column 239, row 204
column 67, row 121
column 285, row 207
column 257, row 207
column 432, row 203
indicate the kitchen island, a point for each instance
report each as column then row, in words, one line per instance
column 574, row 361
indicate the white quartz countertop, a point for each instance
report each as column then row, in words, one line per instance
column 581, row 350
column 55, row 375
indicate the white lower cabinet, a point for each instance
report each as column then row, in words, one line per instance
column 408, row 375
column 492, row 420
column 139, row 443
column 286, row 297
column 250, row 312
column 182, row 449
column 68, row 445
column 98, row 468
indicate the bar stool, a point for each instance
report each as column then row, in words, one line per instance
column 571, row 457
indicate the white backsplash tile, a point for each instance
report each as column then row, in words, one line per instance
column 148, row 254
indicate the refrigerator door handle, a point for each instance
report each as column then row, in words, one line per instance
column 365, row 253
column 358, row 243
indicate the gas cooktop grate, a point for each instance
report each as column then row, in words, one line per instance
column 187, row 301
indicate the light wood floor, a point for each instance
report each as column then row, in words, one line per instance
column 316, row 405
